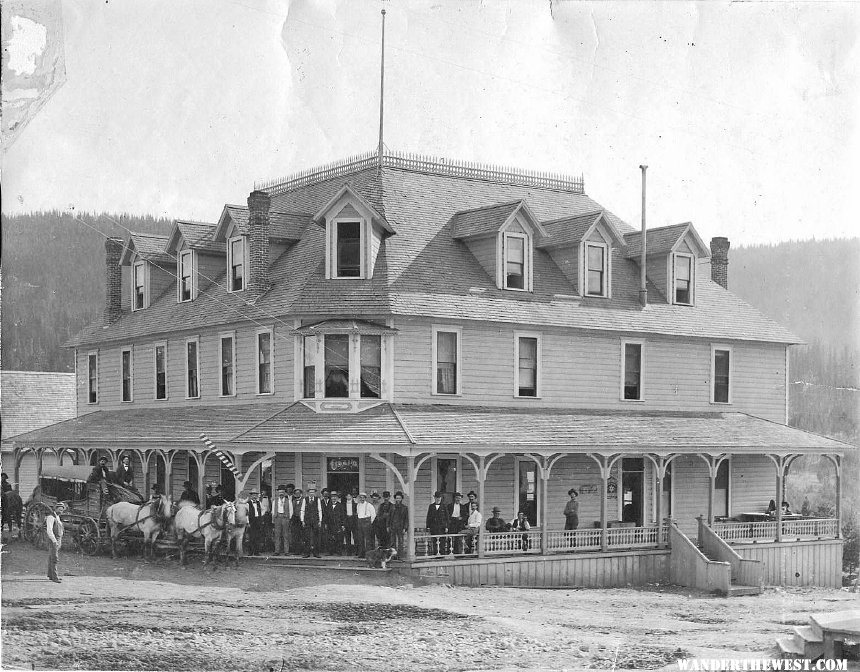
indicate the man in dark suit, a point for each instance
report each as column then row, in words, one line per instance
column 255, row 523
column 336, row 524
column 383, row 520
column 459, row 517
column 325, row 536
column 297, row 542
column 437, row 523
column 311, row 515
column 189, row 494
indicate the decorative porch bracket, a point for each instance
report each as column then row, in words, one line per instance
column 837, row 464
column 780, row 462
column 605, row 463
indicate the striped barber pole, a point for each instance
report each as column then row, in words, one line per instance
column 225, row 459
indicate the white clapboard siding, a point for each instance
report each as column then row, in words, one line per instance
column 283, row 470
column 690, row 484
column 583, row 370
column 752, row 483
column 312, row 472
column 581, row 473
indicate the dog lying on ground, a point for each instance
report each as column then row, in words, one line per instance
column 380, row 557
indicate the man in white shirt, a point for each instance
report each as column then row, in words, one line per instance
column 365, row 514
column 282, row 511
column 54, row 529
column 473, row 527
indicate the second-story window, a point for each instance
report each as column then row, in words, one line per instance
column 228, row 362
column 371, row 366
column 264, row 362
column 336, row 365
column 310, row 371
column 595, row 270
column 138, row 299
column 515, row 261
column 192, row 367
column 93, row 378
column 127, row 374
column 348, row 250
column 186, row 275
column 161, row 371
column 683, row 279
column 721, row 375
column 236, row 264
column 527, row 358
column 447, row 362
column 632, row 372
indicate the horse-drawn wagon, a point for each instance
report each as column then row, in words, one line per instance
column 85, row 520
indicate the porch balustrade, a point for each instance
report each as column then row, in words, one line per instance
column 520, row 543
column 807, row 528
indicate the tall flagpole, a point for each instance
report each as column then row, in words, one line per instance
column 381, row 95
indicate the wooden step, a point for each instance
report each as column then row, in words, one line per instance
column 737, row 590
column 810, row 641
column 789, row 649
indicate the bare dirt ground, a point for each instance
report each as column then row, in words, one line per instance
column 132, row 615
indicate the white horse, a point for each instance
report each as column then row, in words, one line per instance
column 214, row 525
column 151, row 518
column 236, row 534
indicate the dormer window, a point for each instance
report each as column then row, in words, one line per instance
column 185, row 273
column 515, row 246
column 348, row 247
column 596, row 269
column 684, row 266
column 236, row 264
column 139, row 294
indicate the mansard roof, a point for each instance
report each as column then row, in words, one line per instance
column 148, row 246
column 197, row 235
column 425, row 271
column 283, row 226
column 663, row 240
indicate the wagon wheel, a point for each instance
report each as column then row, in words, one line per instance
column 34, row 524
column 88, row 537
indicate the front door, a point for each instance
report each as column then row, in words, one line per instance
column 446, row 479
column 342, row 475
column 632, row 488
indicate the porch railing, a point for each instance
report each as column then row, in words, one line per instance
column 529, row 543
column 807, row 528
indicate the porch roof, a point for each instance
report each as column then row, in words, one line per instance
column 417, row 429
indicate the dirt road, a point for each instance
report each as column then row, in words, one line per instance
column 131, row 615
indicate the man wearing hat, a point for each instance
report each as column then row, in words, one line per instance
column 459, row 516
column 365, row 514
column 311, row 515
column 54, row 529
column 297, row 541
column 101, row 475
column 255, row 522
column 383, row 520
column 282, row 511
column 497, row 523
column 437, row 523
column 189, row 494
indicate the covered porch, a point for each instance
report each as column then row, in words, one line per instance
column 633, row 472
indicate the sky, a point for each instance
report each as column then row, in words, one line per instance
column 745, row 113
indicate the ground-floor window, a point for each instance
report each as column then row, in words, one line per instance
column 342, row 474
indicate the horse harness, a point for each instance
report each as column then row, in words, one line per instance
column 138, row 520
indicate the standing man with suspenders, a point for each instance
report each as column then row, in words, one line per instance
column 54, row 528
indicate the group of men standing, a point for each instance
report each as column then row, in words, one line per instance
column 305, row 524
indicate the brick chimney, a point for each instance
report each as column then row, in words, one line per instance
column 720, row 261
column 258, row 241
column 113, row 280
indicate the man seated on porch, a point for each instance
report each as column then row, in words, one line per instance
column 520, row 523
column 497, row 523
column 473, row 527
column 786, row 509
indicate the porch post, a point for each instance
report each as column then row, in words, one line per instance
column 16, row 473
column 168, row 476
column 780, row 475
column 604, row 506
column 837, row 462
column 712, row 487
column 482, row 474
column 660, row 464
column 201, row 479
column 39, row 453
column 410, row 531
column 544, row 535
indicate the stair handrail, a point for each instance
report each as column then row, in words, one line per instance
column 746, row 572
column 688, row 566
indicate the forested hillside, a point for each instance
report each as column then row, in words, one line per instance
column 813, row 288
column 53, row 282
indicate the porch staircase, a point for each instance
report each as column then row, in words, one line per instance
column 735, row 589
column 825, row 636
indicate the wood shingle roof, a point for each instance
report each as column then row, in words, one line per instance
column 425, row 271
column 33, row 399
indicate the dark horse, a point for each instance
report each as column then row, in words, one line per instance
column 11, row 508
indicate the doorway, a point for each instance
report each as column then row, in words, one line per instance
column 342, row 474
column 632, row 489
column 446, row 479
column 527, row 490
